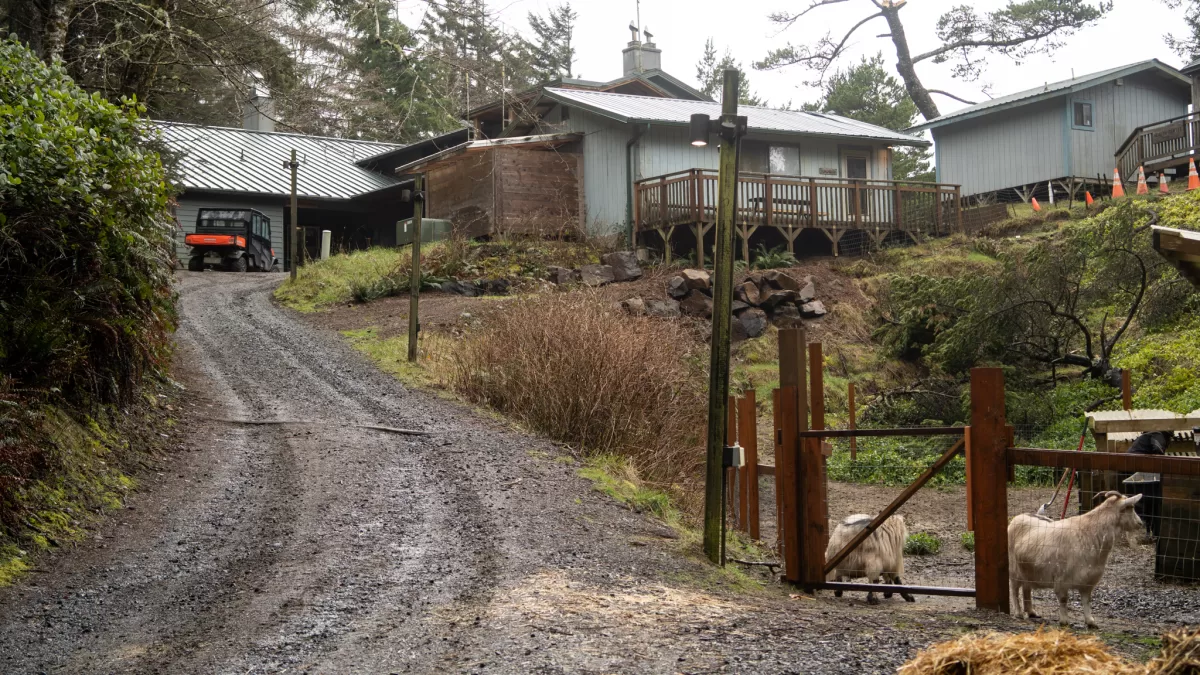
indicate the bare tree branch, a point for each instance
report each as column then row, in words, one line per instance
column 949, row 95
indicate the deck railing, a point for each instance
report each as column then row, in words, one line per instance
column 1159, row 145
column 798, row 202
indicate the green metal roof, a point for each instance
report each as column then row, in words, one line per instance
column 1053, row 90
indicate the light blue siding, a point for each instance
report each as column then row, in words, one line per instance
column 1116, row 112
column 190, row 204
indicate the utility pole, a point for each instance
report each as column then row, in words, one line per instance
column 297, row 233
column 730, row 128
column 414, row 282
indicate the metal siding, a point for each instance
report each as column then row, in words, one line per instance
column 1001, row 151
column 1116, row 112
column 190, row 205
column 603, row 170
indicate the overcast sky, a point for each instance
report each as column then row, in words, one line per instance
column 1131, row 32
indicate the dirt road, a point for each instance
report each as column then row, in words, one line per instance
column 326, row 547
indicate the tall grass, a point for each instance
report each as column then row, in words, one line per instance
column 569, row 367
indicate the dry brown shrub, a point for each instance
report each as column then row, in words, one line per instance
column 572, row 368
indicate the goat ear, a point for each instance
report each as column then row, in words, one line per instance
column 1130, row 501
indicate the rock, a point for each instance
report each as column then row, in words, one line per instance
column 677, row 287
column 561, row 275
column 756, row 278
column 753, row 321
column 786, row 316
column 808, row 293
column 747, row 292
column 698, row 280
column 494, row 286
column 737, row 332
column 812, row 310
column 697, row 304
column 462, row 288
column 596, row 275
column 772, row 297
column 624, row 265
column 781, row 280
column 666, row 309
column 738, row 306
column 635, row 306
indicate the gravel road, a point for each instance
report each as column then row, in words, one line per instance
column 326, row 547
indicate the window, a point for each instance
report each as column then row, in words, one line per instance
column 784, row 160
column 1083, row 115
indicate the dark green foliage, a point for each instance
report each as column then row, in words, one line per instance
column 85, row 237
column 710, row 73
column 967, row 539
column 554, row 51
column 775, row 258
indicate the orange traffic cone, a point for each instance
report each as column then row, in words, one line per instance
column 1036, row 206
column 1087, row 197
column 1193, row 177
column 1142, row 188
column 1118, row 187
column 1162, row 184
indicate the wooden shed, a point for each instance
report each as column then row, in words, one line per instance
column 527, row 185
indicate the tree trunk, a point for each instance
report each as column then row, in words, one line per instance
column 904, row 65
column 58, row 17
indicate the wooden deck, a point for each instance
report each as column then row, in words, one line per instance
column 792, row 204
column 1161, row 145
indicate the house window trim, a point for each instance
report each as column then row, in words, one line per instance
column 860, row 152
column 1080, row 127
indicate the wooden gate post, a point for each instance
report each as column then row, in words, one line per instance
column 988, row 468
column 815, row 526
column 748, row 485
column 792, row 413
column 731, row 435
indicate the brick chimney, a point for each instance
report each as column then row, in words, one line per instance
column 641, row 56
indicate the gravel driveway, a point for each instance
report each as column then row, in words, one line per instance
column 327, row 547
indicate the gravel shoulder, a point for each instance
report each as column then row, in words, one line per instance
column 327, row 547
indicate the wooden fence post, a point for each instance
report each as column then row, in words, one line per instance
column 970, row 493
column 793, row 417
column 988, row 467
column 1126, row 389
column 853, row 425
column 748, row 439
column 815, row 532
column 731, row 435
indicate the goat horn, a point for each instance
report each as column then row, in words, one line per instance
column 1106, row 495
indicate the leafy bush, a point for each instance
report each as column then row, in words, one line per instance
column 967, row 539
column 775, row 258
column 85, row 237
column 922, row 543
column 569, row 367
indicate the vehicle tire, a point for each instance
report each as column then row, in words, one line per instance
column 196, row 263
column 238, row 264
column 276, row 268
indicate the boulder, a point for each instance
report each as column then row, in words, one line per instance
column 781, row 280
column 753, row 322
column 561, row 275
column 624, row 265
column 697, row 280
column 494, row 286
column 756, row 278
column 786, row 316
column 677, row 287
column 738, row 306
column 666, row 309
column 737, row 333
column 635, row 306
column 774, row 297
column 747, row 292
column 808, row 293
column 812, row 310
column 697, row 304
column 462, row 288
column 596, row 275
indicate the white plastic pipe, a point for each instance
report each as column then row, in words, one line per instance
column 326, row 238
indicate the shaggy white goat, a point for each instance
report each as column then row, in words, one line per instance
column 1066, row 554
column 879, row 556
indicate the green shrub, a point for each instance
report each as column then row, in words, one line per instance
column 775, row 258
column 922, row 543
column 85, row 237
column 967, row 539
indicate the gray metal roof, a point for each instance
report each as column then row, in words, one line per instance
column 627, row 108
column 236, row 160
column 1051, row 90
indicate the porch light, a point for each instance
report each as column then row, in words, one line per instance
column 699, row 129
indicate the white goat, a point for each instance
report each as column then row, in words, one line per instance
column 1066, row 554
column 879, row 556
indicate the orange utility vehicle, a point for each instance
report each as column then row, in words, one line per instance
column 238, row 240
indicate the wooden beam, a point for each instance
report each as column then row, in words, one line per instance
column 1105, row 461
column 896, row 588
column 813, row 495
column 1126, row 390
column 988, row 469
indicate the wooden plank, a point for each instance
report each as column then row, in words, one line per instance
column 1126, row 390
column 1121, row 421
column 896, row 504
column 1105, row 461
column 895, row 588
column 731, row 478
column 813, row 494
column 748, row 439
column 853, row 439
column 970, row 499
column 785, row 482
column 901, row 431
column 988, row 468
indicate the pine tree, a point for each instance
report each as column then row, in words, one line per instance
column 553, row 51
column 710, row 73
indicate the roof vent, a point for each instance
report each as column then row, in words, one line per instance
column 258, row 112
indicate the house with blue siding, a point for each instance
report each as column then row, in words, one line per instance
column 1058, row 136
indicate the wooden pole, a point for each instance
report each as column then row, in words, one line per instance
column 414, row 279
column 297, row 233
column 853, row 418
column 815, row 526
column 792, row 415
column 718, row 390
column 988, row 467
column 748, row 439
column 1126, row 389
column 731, row 477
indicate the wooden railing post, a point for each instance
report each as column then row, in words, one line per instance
column 1126, row 390
column 897, row 214
column 988, row 469
column 937, row 210
column 815, row 506
column 812, row 203
column 767, row 199
column 662, row 200
column 857, row 203
column 697, row 191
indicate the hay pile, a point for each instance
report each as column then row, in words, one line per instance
column 1051, row 653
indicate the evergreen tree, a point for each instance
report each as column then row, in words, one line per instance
column 553, row 50
column 868, row 93
column 710, row 73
